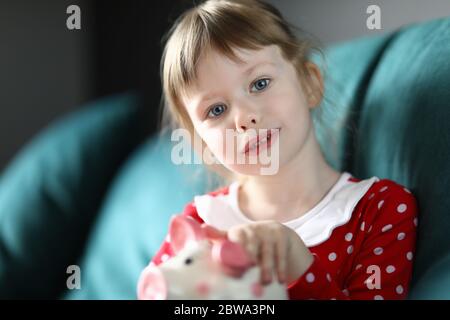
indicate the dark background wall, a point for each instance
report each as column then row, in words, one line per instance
column 47, row 70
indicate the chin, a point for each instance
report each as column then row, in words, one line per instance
column 254, row 169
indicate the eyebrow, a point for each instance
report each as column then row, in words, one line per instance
column 246, row 72
column 249, row 70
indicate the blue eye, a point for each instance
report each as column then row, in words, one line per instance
column 260, row 84
column 216, row 110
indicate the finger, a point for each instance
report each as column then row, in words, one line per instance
column 213, row 233
column 281, row 256
column 248, row 239
column 238, row 235
column 252, row 244
column 267, row 259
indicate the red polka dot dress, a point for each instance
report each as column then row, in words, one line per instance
column 362, row 235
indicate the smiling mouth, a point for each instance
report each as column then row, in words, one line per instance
column 259, row 143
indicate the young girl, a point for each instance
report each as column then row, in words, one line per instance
column 236, row 65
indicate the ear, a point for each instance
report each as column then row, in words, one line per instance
column 315, row 87
column 183, row 230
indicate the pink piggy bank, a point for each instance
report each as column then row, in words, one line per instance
column 203, row 269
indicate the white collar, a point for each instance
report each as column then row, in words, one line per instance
column 314, row 227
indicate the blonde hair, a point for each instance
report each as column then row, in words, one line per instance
column 222, row 25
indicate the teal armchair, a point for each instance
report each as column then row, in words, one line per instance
column 93, row 191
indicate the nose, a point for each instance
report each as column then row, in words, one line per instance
column 152, row 285
column 242, row 127
column 246, row 118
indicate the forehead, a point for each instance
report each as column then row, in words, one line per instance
column 213, row 60
column 214, row 67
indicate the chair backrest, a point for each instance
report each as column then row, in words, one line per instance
column 51, row 193
column 398, row 127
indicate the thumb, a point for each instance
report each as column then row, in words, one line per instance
column 214, row 233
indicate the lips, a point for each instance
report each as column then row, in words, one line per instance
column 259, row 140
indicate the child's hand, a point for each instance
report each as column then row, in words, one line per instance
column 273, row 246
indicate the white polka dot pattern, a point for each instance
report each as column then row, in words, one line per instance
column 409, row 256
column 401, row 208
column 165, row 257
column 349, row 236
column 378, row 251
column 350, row 249
column 390, row 269
column 310, row 277
column 399, row 289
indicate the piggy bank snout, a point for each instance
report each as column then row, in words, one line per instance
column 152, row 284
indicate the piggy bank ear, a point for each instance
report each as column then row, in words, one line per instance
column 232, row 257
column 151, row 284
column 182, row 230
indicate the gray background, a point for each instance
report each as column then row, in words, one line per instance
column 341, row 20
column 47, row 70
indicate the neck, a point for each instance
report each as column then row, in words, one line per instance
column 296, row 188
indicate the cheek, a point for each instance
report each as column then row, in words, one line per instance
column 202, row 289
column 223, row 143
column 291, row 97
column 292, row 110
column 213, row 138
